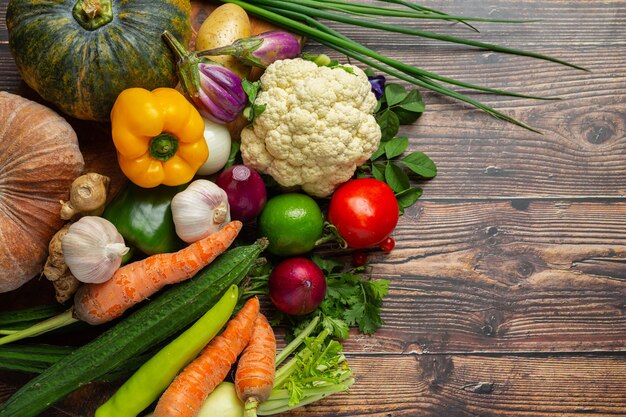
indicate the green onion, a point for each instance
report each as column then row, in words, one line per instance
column 377, row 11
column 300, row 16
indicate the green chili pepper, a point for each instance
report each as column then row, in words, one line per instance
column 144, row 218
column 154, row 376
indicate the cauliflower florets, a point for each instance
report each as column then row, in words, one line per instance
column 317, row 126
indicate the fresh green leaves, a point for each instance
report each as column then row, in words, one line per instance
column 420, row 164
column 389, row 163
column 314, row 372
column 322, row 361
column 397, row 107
column 389, row 123
column 395, row 147
column 252, row 110
column 234, row 156
column 352, row 299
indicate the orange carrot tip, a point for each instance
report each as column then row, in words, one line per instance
column 315, row 372
column 254, row 378
column 186, row 394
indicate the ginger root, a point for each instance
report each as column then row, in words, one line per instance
column 88, row 195
column 56, row 271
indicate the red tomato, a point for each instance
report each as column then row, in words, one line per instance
column 364, row 211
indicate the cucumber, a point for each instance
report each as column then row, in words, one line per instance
column 149, row 325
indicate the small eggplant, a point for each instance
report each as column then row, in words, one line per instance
column 216, row 91
column 261, row 50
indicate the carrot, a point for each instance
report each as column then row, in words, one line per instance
column 254, row 378
column 132, row 283
column 185, row 395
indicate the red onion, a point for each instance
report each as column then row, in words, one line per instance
column 245, row 190
column 297, row 286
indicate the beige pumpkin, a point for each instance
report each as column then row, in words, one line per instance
column 39, row 159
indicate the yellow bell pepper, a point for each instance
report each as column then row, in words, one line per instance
column 159, row 137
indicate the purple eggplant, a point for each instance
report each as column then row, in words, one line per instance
column 215, row 90
column 260, row 50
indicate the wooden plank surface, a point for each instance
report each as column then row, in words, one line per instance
column 448, row 385
column 508, row 281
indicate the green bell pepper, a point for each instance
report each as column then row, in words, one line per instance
column 143, row 216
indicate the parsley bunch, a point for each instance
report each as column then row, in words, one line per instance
column 352, row 300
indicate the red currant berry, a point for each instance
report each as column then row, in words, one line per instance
column 387, row 245
column 359, row 258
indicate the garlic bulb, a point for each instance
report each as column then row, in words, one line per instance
column 93, row 249
column 200, row 210
column 217, row 138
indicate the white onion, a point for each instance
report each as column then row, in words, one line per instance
column 217, row 138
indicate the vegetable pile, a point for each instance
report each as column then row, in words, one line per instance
column 210, row 222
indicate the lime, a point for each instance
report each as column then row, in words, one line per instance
column 292, row 222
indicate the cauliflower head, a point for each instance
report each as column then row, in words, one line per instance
column 317, row 126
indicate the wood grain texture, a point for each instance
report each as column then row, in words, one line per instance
column 445, row 385
column 504, row 276
column 508, row 282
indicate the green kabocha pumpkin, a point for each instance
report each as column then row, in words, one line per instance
column 80, row 54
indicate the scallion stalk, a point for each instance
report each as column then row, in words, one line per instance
column 298, row 16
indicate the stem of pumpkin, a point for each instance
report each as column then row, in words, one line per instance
column 92, row 8
column 93, row 14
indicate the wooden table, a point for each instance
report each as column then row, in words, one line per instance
column 508, row 281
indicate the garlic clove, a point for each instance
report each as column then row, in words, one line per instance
column 200, row 210
column 93, row 249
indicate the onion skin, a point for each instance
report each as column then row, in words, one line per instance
column 297, row 286
column 246, row 191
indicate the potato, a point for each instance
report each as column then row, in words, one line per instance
column 225, row 25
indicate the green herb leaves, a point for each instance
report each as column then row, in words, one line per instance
column 398, row 107
column 389, row 165
column 252, row 110
column 314, row 372
column 352, row 300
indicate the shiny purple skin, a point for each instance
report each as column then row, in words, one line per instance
column 216, row 91
column 220, row 96
column 245, row 190
column 261, row 50
column 276, row 45
column 297, row 286
column 378, row 85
